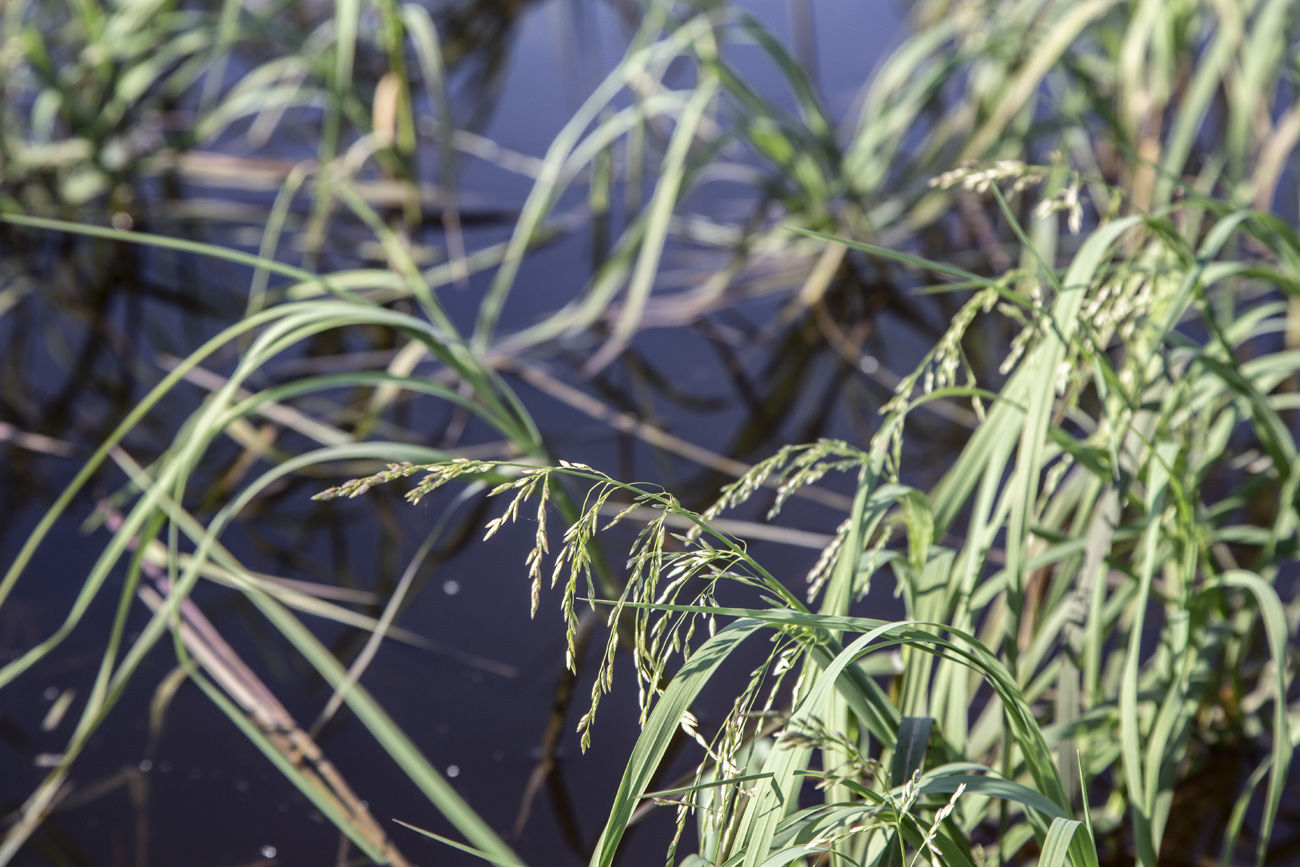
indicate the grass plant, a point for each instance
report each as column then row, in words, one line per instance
column 1099, row 590
column 1087, row 609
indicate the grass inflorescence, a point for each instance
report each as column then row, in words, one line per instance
column 1097, row 583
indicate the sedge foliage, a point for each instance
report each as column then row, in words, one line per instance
column 1092, row 589
column 1104, row 502
column 1099, row 606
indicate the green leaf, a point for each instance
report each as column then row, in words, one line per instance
column 1068, row 843
column 909, row 754
column 659, row 730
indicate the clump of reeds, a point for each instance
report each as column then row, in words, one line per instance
column 1102, row 495
column 1131, row 471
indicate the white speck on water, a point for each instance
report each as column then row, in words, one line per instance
column 868, row 365
column 51, row 693
column 451, row 587
column 122, row 221
column 146, row 766
column 453, row 771
column 268, row 851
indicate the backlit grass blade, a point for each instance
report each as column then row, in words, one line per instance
column 1278, row 637
column 329, row 807
column 478, row 853
column 1028, row 78
column 659, row 730
column 551, row 181
column 1131, row 725
column 941, row 782
column 667, row 191
column 1068, row 842
column 424, row 37
column 182, row 245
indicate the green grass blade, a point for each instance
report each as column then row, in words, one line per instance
column 660, row 729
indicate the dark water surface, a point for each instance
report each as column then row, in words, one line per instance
column 194, row 791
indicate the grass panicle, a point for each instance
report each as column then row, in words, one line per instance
column 1078, row 236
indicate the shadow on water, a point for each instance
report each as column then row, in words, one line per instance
column 87, row 326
